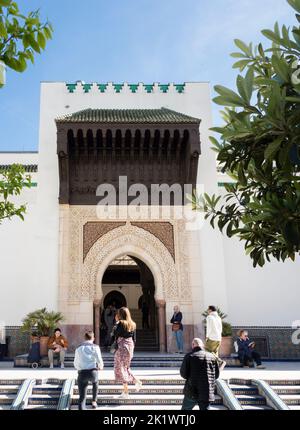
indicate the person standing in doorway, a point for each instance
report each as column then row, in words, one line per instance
column 145, row 313
column 200, row 370
column 177, row 328
column 214, row 329
column 88, row 361
column 124, row 339
column 109, row 318
column 57, row 344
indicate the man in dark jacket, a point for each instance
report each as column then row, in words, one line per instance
column 200, row 370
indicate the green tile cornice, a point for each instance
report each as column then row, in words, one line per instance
column 133, row 88
column 71, row 87
column 180, row 88
column 118, row 87
column 102, row 87
column 87, row 87
column 164, row 87
column 149, row 88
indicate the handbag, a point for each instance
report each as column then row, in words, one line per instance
column 113, row 347
column 175, row 327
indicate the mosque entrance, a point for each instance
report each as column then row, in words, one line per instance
column 129, row 282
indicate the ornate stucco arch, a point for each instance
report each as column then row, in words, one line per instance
column 139, row 243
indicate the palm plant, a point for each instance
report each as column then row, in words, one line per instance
column 41, row 321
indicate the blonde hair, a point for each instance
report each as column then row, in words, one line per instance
column 125, row 319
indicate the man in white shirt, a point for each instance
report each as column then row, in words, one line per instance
column 214, row 329
column 88, row 361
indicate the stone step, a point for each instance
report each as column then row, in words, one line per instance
column 7, row 399
column 246, row 399
column 146, row 382
column 155, row 399
column 38, row 407
column 51, row 390
column 9, row 389
column 290, row 399
column 154, row 389
column 11, row 381
column 150, row 408
column 257, row 408
column 286, row 389
column 43, row 399
column 243, row 389
column 285, row 382
column 5, row 407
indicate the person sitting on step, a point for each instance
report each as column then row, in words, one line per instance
column 246, row 351
column 57, row 344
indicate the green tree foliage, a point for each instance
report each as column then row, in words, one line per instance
column 259, row 148
column 21, row 37
column 12, row 181
column 42, row 322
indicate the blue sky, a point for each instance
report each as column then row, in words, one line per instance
column 134, row 41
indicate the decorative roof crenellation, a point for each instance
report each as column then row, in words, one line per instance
column 119, row 88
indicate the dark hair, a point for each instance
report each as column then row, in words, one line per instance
column 89, row 335
column 57, row 329
column 212, row 308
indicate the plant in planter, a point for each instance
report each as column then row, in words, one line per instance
column 43, row 323
column 227, row 342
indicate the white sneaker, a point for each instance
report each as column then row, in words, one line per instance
column 62, row 366
column 138, row 386
column 51, row 366
column 124, row 396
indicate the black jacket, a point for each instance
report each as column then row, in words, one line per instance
column 176, row 319
column 200, row 369
column 120, row 331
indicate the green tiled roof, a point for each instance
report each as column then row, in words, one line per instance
column 33, row 168
column 136, row 116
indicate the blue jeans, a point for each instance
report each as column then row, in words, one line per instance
column 179, row 339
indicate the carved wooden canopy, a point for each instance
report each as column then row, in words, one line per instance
column 149, row 146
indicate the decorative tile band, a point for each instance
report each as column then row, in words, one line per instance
column 119, row 88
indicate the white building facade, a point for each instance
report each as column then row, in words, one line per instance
column 58, row 256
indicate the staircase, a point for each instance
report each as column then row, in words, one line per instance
column 146, row 340
column 288, row 391
column 248, row 395
column 45, row 394
column 8, row 392
column 158, row 394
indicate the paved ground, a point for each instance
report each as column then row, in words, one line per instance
column 274, row 370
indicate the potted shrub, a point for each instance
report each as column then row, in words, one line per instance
column 227, row 341
column 42, row 323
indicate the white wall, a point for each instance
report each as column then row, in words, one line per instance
column 268, row 296
column 20, row 291
column 261, row 296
